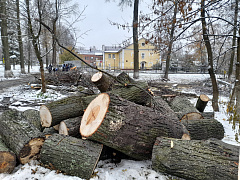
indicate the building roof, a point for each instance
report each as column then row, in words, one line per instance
column 112, row 49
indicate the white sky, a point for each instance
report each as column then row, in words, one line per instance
column 97, row 16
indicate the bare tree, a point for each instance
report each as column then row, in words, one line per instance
column 135, row 39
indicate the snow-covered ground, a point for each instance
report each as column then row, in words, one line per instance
column 105, row 170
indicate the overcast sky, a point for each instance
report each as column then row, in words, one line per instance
column 100, row 31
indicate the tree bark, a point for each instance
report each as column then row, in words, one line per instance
column 20, row 43
column 135, row 40
column 70, row 127
column 4, row 36
column 195, row 159
column 208, row 115
column 70, row 155
column 7, row 159
column 210, row 58
column 125, row 126
column 20, row 136
column 34, row 118
column 200, row 129
column 184, row 109
column 202, row 102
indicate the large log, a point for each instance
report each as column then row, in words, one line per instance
column 73, row 106
column 70, row 126
column 196, row 159
column 202, row 102
column 185, row 109
column 7, row 159
column 201, row 129
column 102, row 81
column 70, row 155
column 125, row 126
column 24, row 139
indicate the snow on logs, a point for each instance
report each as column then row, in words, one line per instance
column 24, row 139
column 196, row 159
column 71, row 155
column 7, row 159
column 125, row 126
column 185, row 109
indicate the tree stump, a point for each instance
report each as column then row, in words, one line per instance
column 125, row 126
column 7, row 159
column 24, row 139
column 33, row 117
column 70, row 126
column 196, row 159
column 53, row 113
column 102, row 81
column 201, row 129
column 70, row 155
column 202, row 102
column 184, row 109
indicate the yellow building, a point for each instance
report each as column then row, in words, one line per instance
column 122, row 58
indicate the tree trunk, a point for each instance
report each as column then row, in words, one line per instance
column 230, row 70
column 195, row 159
column 208, row 115
column 202, row 102
column 70, row 127
column 184, row 109
column 70, row 107
column 4, row 36
column 169, row 52
column 135, row 40
column 20, row 136
column 200, row 129
column 20, row 43
column 125, row 126
column 210, row 58
column 7, row 159
column 70, row 155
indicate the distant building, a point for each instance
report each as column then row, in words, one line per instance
column 92, row 57
column 117, row 57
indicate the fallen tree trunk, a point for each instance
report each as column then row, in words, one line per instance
column 73, row 106
column 195, row 159
column 70, row 127
column 102, row 81
column 201, row 129
column 70, row 155
column 184, row 109
column 202, row 102
column 24, row 139
column 7, row 159
column 208, row 115
column 125, row 126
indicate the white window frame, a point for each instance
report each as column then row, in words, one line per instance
column 143, row 55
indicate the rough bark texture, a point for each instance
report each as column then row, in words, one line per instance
column 7, row 159
column 24, row 139
column 125, row 78
column 73, row 156
column 204, row 129
column 70, row 107
column 202, row 102
column 195, row 159
column 70, row 126
column 184, row 109
column 208, row 115
column 128, row 127
column 33, row 117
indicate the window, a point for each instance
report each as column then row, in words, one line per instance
column 109, row 56
column 143, row 44
column 113, row 56
column 143, row 55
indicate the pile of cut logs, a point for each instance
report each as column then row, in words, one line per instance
column 124, row 120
